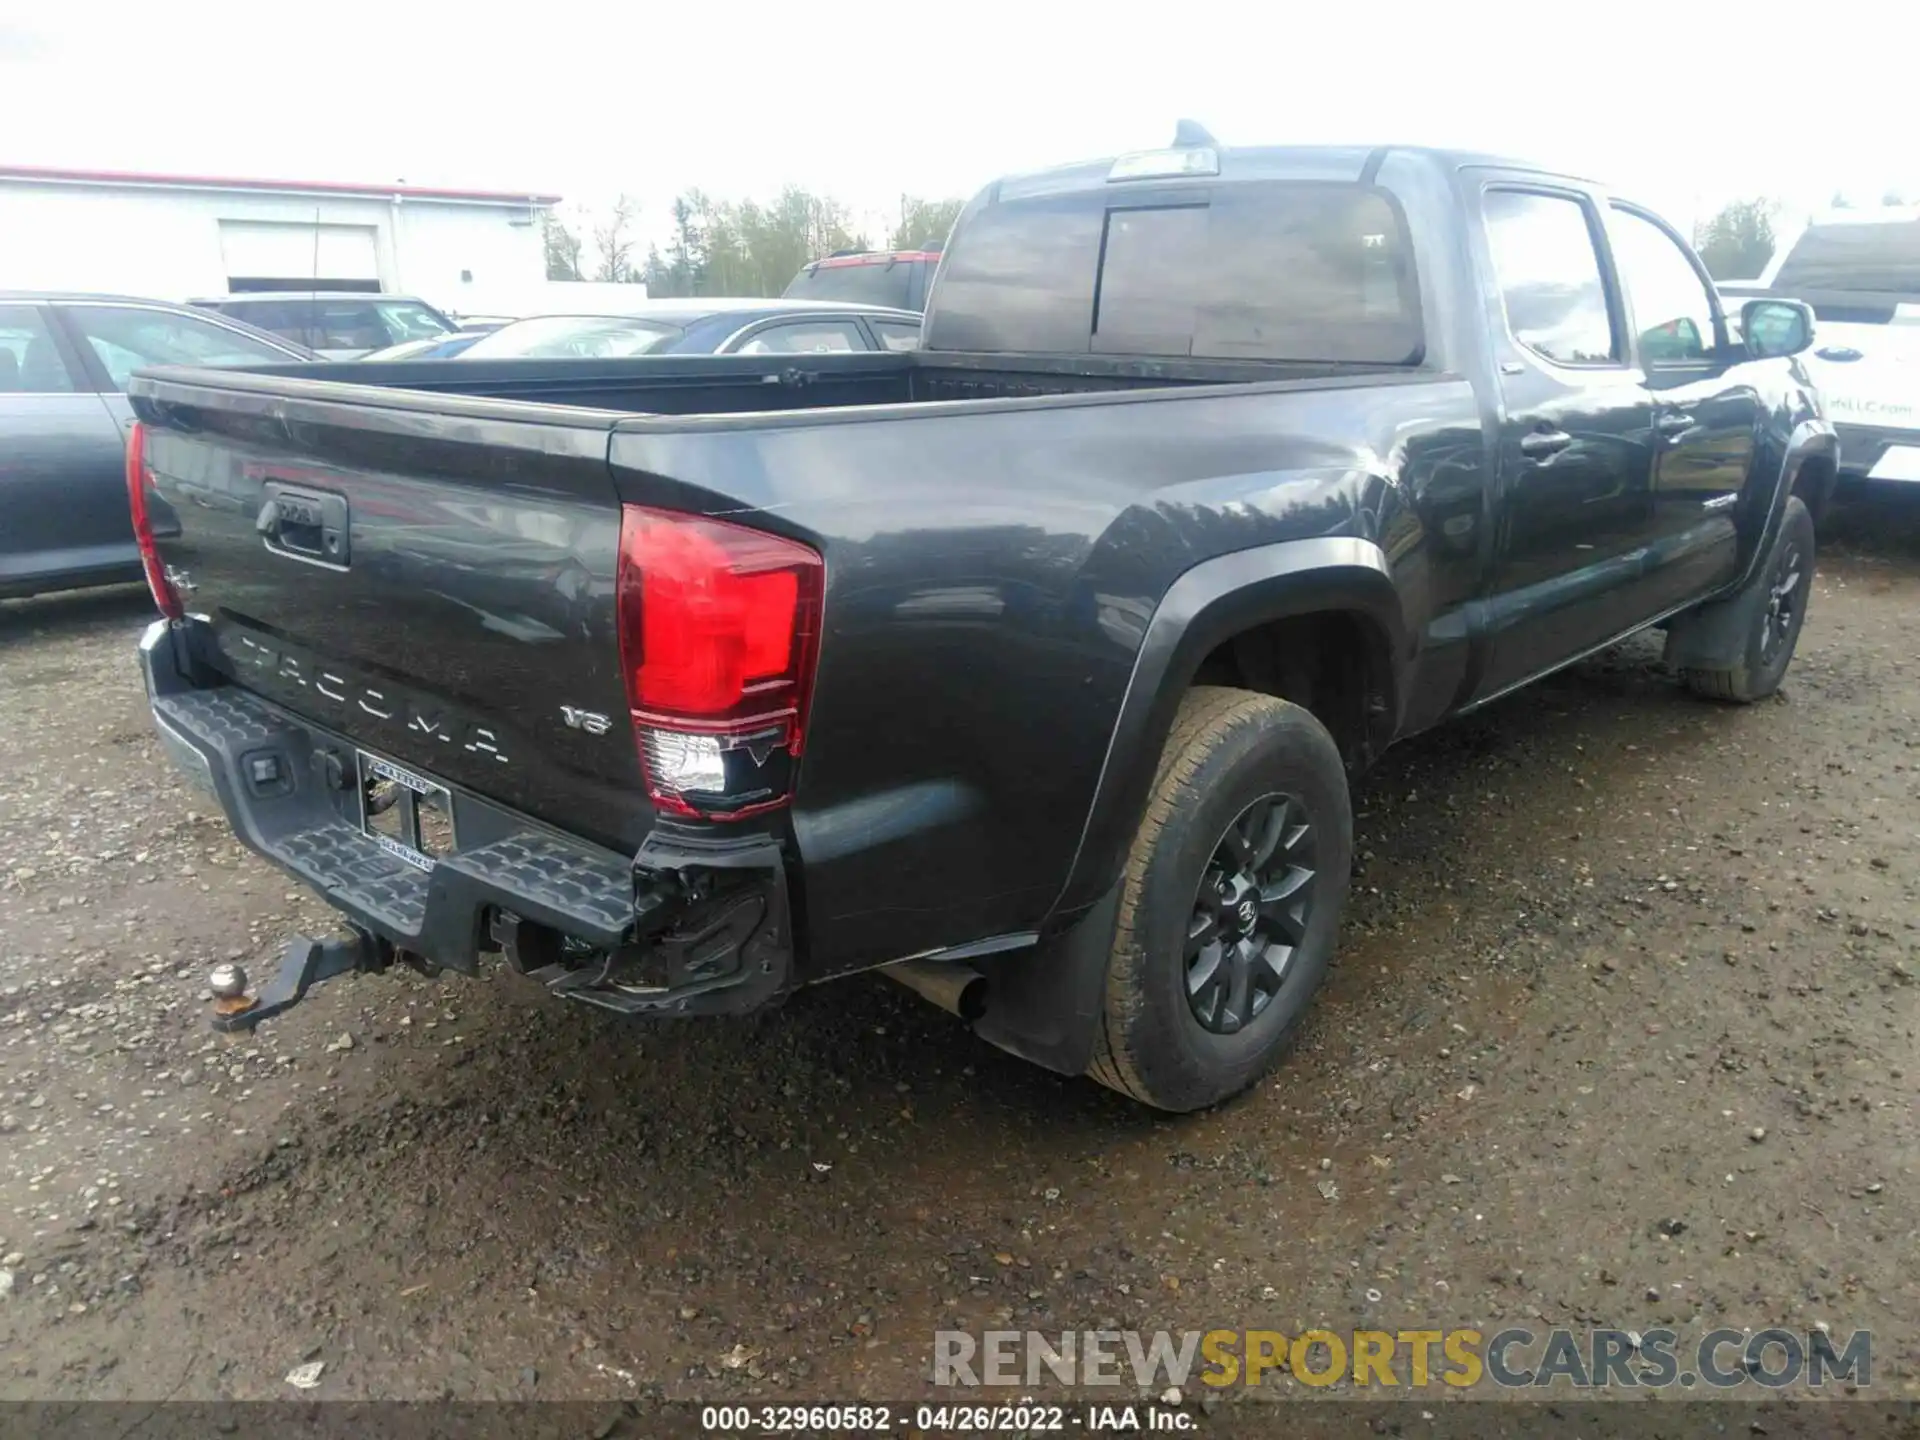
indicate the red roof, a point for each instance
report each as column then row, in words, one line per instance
column 306, row 187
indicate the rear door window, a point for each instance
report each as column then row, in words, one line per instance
column 896, row 334
column 1548, row 269
column 285, row 318
column 30, row 361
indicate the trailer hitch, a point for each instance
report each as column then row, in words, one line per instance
column 306, row 963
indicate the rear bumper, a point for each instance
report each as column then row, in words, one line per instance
column 617, row 933
column 1863, row 447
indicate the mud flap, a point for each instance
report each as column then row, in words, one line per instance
column 1714, row 636
column 1719, row 634
column 1045, row 1004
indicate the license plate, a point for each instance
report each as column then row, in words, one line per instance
column 1901, row 462
column 405, row 814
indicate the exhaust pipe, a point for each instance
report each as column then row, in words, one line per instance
column 957, row 989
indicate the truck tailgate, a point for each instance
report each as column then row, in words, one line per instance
column 431, row 577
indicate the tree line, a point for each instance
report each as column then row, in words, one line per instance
column 729, row 247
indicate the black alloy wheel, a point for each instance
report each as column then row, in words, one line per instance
column 1781, row 615
column 1250, row 913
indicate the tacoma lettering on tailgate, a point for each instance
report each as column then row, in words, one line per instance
column 282, row 670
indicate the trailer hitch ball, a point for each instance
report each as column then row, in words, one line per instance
column 229, row 985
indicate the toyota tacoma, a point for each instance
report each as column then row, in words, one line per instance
column 1032, row 666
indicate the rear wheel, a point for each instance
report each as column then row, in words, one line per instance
column 1771, row 608
column 1230, row 906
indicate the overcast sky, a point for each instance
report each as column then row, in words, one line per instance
column 1683, row 105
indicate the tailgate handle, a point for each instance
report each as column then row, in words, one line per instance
column 304, row 524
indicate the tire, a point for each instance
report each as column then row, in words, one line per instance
column 1769, row 613
column 1230, row 753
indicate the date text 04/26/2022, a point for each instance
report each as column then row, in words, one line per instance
column 941, row 1419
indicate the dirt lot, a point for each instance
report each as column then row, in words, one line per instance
column 1623, row 1032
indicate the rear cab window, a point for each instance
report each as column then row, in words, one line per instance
column 863, row 280
column 1294, row 270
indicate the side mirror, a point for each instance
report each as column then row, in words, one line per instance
column 1776, row 327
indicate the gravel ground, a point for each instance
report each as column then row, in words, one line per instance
column 1622, row 1033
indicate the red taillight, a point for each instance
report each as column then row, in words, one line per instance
column 719, row 632
column 138, row 488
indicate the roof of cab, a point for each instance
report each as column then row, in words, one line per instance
column 1262, row 162
column 59, row 297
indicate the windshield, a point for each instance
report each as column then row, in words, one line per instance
column 1874, row 259
column 410, row 320
column 407, row 351
column 560, row 337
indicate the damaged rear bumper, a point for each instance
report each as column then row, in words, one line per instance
column 689, row 926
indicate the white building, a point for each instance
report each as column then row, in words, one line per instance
column 174, row 237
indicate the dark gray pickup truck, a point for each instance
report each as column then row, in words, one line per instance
column 1033, row 665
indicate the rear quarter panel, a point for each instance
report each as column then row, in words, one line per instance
column 992, row 570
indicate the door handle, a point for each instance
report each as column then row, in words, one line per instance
column 306, row 524
column 1539, row 444
column 1673, row 423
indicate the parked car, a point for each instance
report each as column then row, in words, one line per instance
column 64, row 364
column 435, row 347
column 899, row 278
column 335, row 324
column 1860, row 271
column 704, row 327
column 1031, row 665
